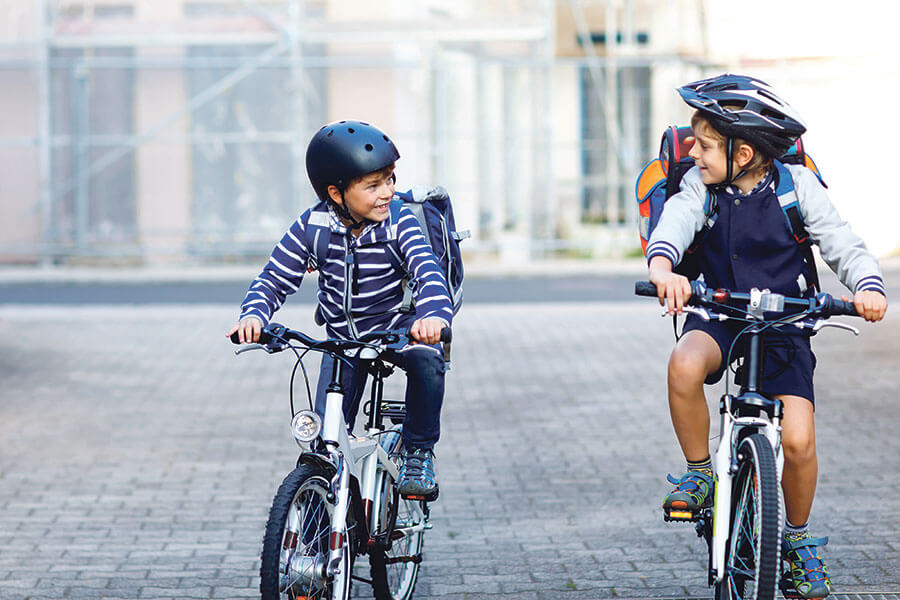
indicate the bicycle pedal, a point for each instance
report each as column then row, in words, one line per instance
column 789, row 592
column 421, row 497
column 675, row 514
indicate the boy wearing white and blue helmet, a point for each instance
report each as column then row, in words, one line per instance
column 740, row 126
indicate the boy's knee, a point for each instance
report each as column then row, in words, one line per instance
column 799, row 446
column 425, row 362
column 686, row 367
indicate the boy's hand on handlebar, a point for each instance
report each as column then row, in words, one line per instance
column 673, row 289
column 248, row 330
column 869, row 304
column 427, row 331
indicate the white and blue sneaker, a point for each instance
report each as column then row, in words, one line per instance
column 417, row 479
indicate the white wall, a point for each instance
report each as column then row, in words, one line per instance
column 836, row 63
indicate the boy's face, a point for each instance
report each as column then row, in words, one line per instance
column 369, row 197
column 709, row 154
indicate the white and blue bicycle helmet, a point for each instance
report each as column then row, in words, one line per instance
column 744, row 107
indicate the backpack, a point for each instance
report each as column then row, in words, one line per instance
column 434, row 212
column 660, row 179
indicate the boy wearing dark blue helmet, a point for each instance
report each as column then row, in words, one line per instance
column 351, row 167
column 740, row 126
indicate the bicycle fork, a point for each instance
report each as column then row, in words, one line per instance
column 725, row 467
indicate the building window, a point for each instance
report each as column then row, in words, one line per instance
column 603, row 199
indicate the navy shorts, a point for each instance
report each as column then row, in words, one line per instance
column 788, row 359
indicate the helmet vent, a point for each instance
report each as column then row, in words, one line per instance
column 351, row 130
column 370, row 147
column 331, row 133
column 386, row 138
column 771, row 97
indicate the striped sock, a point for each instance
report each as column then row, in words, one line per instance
column 704, row 466
column 795, row 532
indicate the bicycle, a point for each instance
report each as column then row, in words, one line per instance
column 342, row 499
column 743, row 528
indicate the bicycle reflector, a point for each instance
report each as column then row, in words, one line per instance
column 305, row 426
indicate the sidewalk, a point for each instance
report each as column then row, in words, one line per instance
column 138, row 456
column 247, row 271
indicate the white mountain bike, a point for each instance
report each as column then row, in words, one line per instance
column 743, row 527
column 342, row 499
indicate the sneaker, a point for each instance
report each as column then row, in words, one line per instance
column 807, row 575
column 692, row 492
column 417, row 480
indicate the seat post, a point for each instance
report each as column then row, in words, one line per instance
column 377, row 392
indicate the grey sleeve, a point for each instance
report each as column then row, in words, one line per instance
column 680, row 221
column 841, row 249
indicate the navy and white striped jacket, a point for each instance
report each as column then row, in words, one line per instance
column 374, row 301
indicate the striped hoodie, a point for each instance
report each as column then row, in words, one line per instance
column 359, row 288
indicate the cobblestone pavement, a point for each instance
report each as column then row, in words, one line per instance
column 138, row 455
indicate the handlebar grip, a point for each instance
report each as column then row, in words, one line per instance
column 645, row 288
column 446, row 335
column 835, row 306
column 264, row 338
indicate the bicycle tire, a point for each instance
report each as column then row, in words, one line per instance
column 296, row 542
column 753, row 551
column 394, row 565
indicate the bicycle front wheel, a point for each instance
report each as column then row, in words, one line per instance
column 753, row 552
column 400, row 534
column 297, row 541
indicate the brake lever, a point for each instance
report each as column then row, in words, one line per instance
column 249, row 347
column 822, row 324
column 701, row 312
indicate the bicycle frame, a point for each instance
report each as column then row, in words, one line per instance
column 360, row 462
column 732, row 427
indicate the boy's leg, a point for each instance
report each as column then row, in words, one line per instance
column 695, row 356
column 425, row 369
column 801, row 467
column 807, row 575
column 353, row 382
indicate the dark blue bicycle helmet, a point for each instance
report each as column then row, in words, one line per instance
column 344, row 150
column 754, row 112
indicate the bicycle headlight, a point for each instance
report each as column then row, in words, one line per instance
column 305, row 426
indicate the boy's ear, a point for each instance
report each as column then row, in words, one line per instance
column 744, row 154
column 335, row 195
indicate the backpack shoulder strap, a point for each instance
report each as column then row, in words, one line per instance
column 393, row 254
column 790, row 206
column 318, row 236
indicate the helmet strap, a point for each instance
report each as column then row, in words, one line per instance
column 344, row 212
column 729, row 159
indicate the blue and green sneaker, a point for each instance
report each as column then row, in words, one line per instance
column 807, row 575
column 693, row 492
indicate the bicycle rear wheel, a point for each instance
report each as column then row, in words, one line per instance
column 753, row 551
column 296, row 543
column 400, row 533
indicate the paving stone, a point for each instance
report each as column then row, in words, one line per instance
column 138, row 456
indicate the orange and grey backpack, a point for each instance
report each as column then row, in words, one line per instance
column 660, row 179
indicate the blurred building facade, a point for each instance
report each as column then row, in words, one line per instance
column 159, row 131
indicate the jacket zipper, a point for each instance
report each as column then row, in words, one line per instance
column 349, row 259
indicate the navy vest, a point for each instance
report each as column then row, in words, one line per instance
column 751, row 245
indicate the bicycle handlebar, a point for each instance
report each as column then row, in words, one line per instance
column 274, row 332
column 822, row 304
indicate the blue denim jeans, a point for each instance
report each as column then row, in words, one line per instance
column 425, row 369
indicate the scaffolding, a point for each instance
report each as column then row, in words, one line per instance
column 178, row 130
